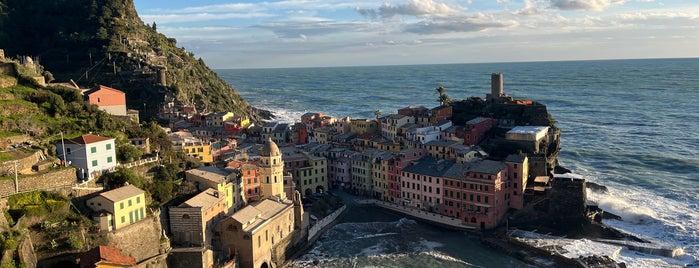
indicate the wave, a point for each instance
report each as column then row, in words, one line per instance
column 618, row 206
column 375, row 235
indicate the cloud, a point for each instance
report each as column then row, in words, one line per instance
column 197, row 17
column 417, row 8
column 476, row 23
column 304, row 29
column 584, row 5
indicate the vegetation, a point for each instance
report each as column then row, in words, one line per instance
column 36, row 204
column 105, row 42
column 443, row 99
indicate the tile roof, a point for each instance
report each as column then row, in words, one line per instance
column 122, row 193
column 203, row 200
column 105, row 254
column 213, row 174
column 101, row 87
column 515, row 158
column 261, row 212
column 430, row 166
column 88, row 139
column 488, row 167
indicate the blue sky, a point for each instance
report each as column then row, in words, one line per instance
column 313, row 33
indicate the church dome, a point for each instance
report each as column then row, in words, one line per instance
column 270, row 149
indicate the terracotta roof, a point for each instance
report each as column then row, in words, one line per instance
column 105, row 254
column 122, row 193
column 88, row 139
column 101, row 87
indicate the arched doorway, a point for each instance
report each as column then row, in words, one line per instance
column 319, row 189
column 308, row 191
column 264, row 265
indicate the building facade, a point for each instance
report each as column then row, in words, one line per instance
column 90, row 154
column 119, row 207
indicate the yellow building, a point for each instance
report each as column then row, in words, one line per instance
column 361, row 126
column 223, row 181
column 119, row 207
column 199, row 150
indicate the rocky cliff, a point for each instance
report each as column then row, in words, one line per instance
column 105, row 42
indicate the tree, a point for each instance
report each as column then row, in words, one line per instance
column 442, row 96
column 128, row 153
column 377, row 113
column 120, row 177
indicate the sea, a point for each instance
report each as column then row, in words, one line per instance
column 630, row 125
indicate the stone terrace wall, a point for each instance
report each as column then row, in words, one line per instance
column 62, row 178
column 140, row 240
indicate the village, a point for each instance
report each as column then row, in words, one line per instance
column 256, row 179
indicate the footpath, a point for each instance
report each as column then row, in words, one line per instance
column 434, row 218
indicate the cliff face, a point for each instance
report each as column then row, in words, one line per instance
column 105, row 42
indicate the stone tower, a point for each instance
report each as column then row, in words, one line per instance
column 496, row 85
column 271, row 171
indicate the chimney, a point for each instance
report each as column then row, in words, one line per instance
column 216, row 194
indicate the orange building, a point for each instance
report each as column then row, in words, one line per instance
column 110, row 100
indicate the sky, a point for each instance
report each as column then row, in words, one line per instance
column 319, row 33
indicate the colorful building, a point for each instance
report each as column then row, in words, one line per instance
column 110, row 100
column 90, row 154
column 225, row 182
column 192, row 223
column 477, row 193
column 119, row 207
column 421, row 183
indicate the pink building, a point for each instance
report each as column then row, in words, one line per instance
column 477, row 193
column 421, row 183
column 395, row 168
column 110, row 100
column 249, row 172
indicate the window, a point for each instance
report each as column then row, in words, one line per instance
column 123, row 219
column 94, row 163
column 130, row 204
column 109, row 159
column 109, row 146
column 121, row 205
column 93, row 150
column 138, row 200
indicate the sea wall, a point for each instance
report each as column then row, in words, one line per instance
column 316, row 230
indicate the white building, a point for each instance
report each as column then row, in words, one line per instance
column 90, row 154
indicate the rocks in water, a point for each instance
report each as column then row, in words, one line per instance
column 599, row 262
column 597, row 187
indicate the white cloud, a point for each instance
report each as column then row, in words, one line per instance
column 178, row 18
column 584, row 5
column 416, row 8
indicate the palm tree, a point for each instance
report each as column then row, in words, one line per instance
column 443, row 98
column 377, row 113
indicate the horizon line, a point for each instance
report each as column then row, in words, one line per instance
column 457, row 63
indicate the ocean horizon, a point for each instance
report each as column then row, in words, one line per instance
column 626, row 124
column 223, row 70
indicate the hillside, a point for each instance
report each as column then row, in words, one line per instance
column 105, row 42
